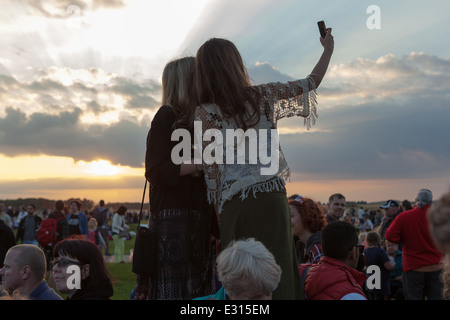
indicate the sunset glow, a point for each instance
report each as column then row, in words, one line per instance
column 80, row 84
column 99, row 168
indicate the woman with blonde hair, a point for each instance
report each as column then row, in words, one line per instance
column 180, row 213
column 439, row 220
column 249, row 194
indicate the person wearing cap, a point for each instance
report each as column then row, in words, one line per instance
column 422, row 266
column 392, row 209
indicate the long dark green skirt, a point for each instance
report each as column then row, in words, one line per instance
column 266, row 218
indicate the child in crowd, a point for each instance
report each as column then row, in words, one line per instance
column 395, row 256
column 376, row 256
column 94, row 234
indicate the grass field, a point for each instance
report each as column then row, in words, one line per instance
column 124, row 279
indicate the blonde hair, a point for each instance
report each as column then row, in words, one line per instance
column 177, row 90
column 92, row 223
column 247, row 265
column 439, row 219
column 445, row 277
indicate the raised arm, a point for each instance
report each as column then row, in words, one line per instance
column 321, row 67
column 297, row 98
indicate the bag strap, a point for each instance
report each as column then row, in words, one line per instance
column 142, row 203
column 304, row 278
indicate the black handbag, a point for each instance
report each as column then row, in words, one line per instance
column 145, row 247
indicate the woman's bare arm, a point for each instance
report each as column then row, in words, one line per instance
column 321, row 67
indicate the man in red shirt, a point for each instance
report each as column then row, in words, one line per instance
column 421, row 259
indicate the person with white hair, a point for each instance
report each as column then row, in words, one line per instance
column 247, row 271
column 422, row 261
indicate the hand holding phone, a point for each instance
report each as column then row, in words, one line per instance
column 322, row 28
column 327, row 42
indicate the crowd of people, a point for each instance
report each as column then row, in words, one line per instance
column 100, row 226
column 227, row 230
column 333, row 258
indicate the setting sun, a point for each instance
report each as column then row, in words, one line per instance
column 100, row 168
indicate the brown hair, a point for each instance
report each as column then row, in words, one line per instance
column 77, row 202
column 373, row 238
column 80, row 248
column 338, row 196
column 313, row 217
column 222, row 79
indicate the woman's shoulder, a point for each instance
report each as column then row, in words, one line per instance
column 165, row 112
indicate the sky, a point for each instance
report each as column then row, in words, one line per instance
column 80, row 81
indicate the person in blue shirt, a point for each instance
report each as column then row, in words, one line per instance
column 395, row 256
column 23, row 272
column 76, row 219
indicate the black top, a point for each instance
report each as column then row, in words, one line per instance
column 169, row 190
column 101, row 292
column 7, row 240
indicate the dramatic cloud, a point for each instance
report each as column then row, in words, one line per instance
column 263, row 72
column 384, row 118
column 83, row 114
column 62, row 8
column 64, row 88
column 413, row 75
column 64, row 135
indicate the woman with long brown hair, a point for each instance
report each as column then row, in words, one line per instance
column 249, row 194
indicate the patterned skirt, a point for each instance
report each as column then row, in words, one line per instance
column 186, row 255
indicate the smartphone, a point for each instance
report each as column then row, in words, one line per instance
column 322, row 28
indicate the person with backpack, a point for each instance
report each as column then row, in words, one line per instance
column 102, row 216
column 52, row 230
